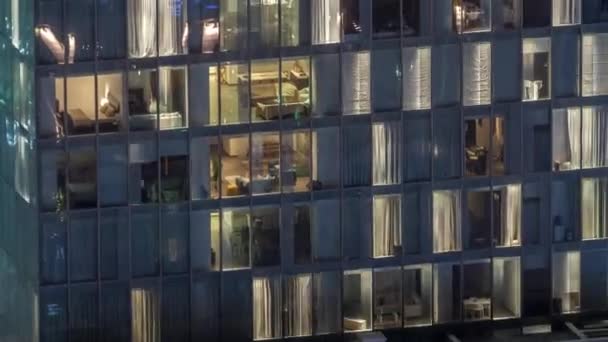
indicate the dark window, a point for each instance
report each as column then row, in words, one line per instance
column 386, row 19
column 537, row 13
column 266, row 236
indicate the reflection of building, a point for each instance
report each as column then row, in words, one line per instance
column 244, row 170
column 19, row 221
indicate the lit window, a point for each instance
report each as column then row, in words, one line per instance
column 566, row 12
column 157, row 29
column 386, row 153
column 265, row 167
column 476, row 74
column 388, row 296
column 566, row 136
column 156, row 99
column 595, row 65
column 295, row 27
column 506, row 299
column 477, row 290
column 416, row 78
column 263, row 24
column 357, row 300
column 472, row 15
column 446, row 221
column 536, row 69
column 417, row 284
column 387, row 225
column 594, row 208
column 236, row 239
column 234, row 92
column 325, row 21
column 507, row 229
column 234, row 160
column 295, row 161
column 477, row 146
column 145, row 313
column 594, row 122
column 298, row 305
column 566, row 282
column 267, row 308
column 356, row 83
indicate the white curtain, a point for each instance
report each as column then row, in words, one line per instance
column 446, row 221
column 172, row 30
column 594, row 137
column 386, row 162
column 142, row 28
column 511, row 216
column 386, row 225
column 299, row 306
column 145, row 315
column 566, row 279
column 325, row 21
column 416, row 78
column 566, row 12
column 594, row 207
column 476, row 74
column 355, row 83
column 595, row 64
column 266, row 308
column 574, row 136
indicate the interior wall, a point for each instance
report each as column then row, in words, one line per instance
column 482, row 133
column 81, row 94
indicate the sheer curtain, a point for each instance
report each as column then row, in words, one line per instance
column 172, row 30
column 386, row 161
column 574, row 136
column 416, row 66
column 142, row 28
column 476, row 74
column 325, row 21
column 145, row 315
column 298, row 306
column 594, row 207
column 511, row 216
column 266, row 308
column 594, row 137
column 387, row 225
column 355, row 82
column 566, row 12
column 446, row 221
column 566, row 279
column 595, row 64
